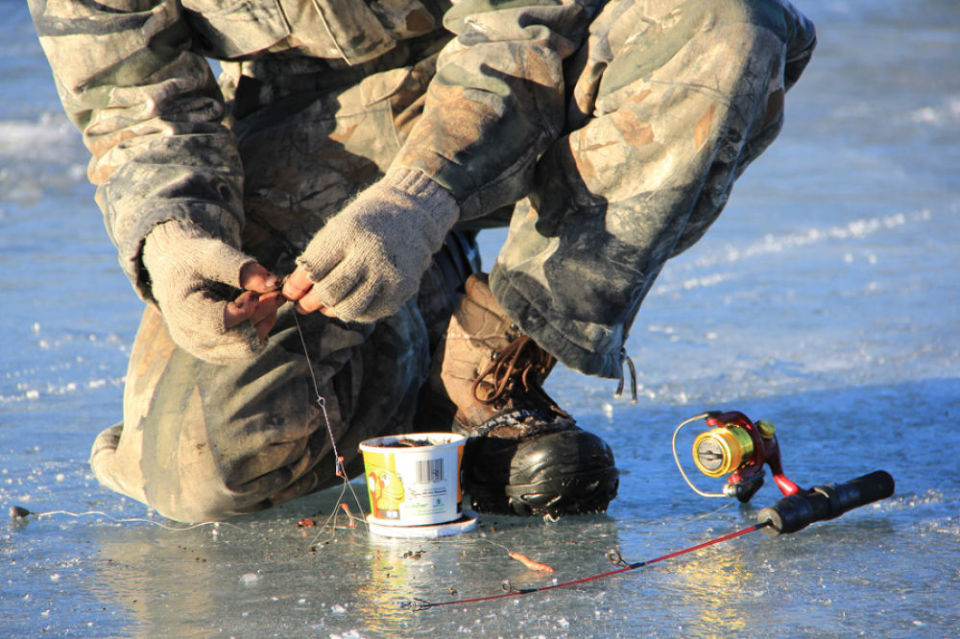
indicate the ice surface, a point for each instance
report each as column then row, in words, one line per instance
column 825, row 299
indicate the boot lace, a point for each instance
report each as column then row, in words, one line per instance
column 519, row 368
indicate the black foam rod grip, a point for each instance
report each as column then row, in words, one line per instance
column 796, row 512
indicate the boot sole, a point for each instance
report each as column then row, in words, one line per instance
column 569, row 472
column 584, row 492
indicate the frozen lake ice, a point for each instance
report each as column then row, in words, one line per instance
column 825, row 299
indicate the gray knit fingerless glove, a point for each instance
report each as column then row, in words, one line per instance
column 367, row 261
column 183, row 262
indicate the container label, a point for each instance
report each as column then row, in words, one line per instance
column 410, row 486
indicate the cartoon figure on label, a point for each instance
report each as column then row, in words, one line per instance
column 386, row 493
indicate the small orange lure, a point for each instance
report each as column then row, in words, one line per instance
column 530, row 563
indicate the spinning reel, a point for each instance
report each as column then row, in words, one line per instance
column 737, row 447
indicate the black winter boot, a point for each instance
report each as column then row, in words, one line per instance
column 524, row 454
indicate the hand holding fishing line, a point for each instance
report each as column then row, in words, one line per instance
column 368, row 259
column 191, row 279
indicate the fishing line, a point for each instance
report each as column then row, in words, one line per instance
column 321, row 400
column 331, row 521
column 676, row 456
column 322, row 403
column 19, row 512
column 613, row 555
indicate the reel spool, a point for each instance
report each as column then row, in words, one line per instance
column 737, row 447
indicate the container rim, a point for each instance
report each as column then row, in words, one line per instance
column 437, row 440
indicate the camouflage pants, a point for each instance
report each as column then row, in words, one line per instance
column 668, row 102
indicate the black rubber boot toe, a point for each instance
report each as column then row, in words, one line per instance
column 569, row 471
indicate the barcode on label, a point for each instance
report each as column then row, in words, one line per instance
column 430, row 471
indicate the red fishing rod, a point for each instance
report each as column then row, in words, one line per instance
column 612, row 555
column 736, row 446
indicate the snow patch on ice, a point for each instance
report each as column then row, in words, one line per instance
column 250, row 579
column 857, row 229
column 692, row 283
column 944, row 114
column 43, row 139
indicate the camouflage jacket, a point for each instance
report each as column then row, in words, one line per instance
column 133, row 76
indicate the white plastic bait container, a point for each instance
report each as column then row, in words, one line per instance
column 413, row 479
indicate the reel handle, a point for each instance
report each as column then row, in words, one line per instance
column 798, row 511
